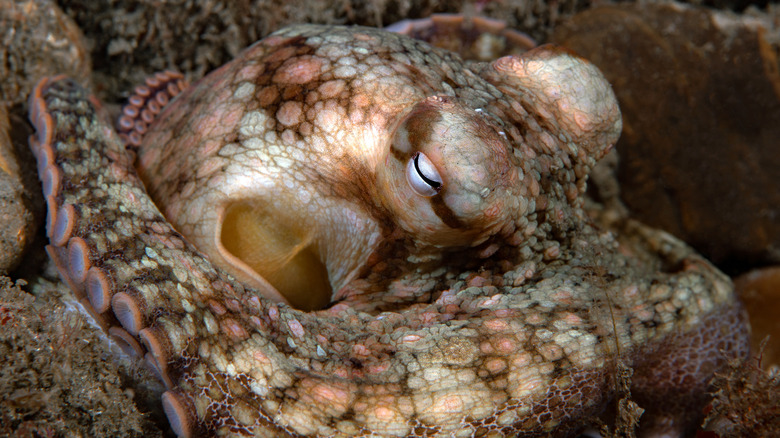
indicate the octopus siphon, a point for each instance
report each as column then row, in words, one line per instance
column 361, row 235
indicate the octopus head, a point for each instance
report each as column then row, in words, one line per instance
column 448, row 175
column 568, row 92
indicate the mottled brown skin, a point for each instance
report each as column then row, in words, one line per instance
column 503, row 313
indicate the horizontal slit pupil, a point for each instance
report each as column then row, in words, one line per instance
column 435, row 184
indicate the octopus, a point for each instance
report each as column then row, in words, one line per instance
column 347, row 232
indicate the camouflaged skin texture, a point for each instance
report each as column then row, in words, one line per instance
column 502, row 322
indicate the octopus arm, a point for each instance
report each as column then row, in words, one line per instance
column 238, row 364
column 535, row 360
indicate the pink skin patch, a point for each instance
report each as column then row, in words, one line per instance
column 298, row 71
column 328, row 394
column 496, row 325
column 296, row 328
column 233, row 329
column 289, row 113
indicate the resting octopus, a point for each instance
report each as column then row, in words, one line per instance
column 396, row 245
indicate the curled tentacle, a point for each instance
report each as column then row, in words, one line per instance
column 146, row 103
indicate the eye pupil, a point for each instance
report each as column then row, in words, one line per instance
column 435, row 184
column 423, row 176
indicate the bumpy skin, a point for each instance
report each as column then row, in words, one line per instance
column 494, row 306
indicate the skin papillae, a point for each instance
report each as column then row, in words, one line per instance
column 493, row 307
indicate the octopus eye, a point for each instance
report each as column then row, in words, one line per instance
column 423, row 176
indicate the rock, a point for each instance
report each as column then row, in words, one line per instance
column 17, row 224
column 55, row 379
column 760, row 291
column 744, row 403
column 38, row 40
column 700, row 95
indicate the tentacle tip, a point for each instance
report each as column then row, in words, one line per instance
column 78, row 259
column 153, row 365
column 52, row 181
column 158, row 355
column 126, row 342
column 178, row 414
column 127, row 312
column 99, row 289
column 64, row 225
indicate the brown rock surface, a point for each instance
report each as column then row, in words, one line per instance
column 745, row 403
column 131, row 39
column 700, row 95
column 55, row 379
column 38, row 40
column 17, row 219
column 760, row 291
